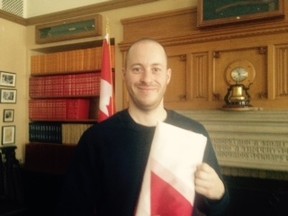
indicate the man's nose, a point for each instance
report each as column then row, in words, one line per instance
column 146, row 76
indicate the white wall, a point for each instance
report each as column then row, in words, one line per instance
column 13, row 58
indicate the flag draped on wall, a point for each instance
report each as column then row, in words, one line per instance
column 168, row 184
column 106, row 101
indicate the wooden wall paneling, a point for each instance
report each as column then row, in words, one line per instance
column 176, row 90
column 166, row 24
column 271, row 50
column 199, row 76
column 211, row 95
column 205, row 86
column 125, row 92
column 281, row 72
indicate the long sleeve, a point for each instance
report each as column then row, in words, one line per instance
column 78, row 186
column 106, row 173
column 212, row 207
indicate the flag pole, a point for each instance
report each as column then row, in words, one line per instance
column 107, row 29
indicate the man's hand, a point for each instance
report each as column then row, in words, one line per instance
column 208, row 183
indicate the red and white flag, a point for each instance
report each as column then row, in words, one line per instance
column 106, row 101
column 168, row 185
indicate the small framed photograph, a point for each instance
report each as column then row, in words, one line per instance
column 7, row 79
column 8, row 115
column 8, row 135
column 8, row 95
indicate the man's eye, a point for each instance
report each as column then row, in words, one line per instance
column 156, row 70
column 136, row 70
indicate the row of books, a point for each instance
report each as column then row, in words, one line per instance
column 79, row 60
column 86, row 84
column 51, row 132
column 45, row 132
column 59, row 109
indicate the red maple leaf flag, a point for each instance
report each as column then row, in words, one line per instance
column 168, row 185
column 106, row 100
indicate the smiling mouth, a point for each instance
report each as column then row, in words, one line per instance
column 146, row 88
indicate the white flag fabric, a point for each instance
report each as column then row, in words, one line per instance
column 106, row 98
column 168, row 185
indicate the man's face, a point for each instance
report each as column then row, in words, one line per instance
column 146, row 75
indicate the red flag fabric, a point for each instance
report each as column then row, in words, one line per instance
column 168, row 185
column 106, row 101
column 166, row 200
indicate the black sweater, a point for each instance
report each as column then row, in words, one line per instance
column 106, row 174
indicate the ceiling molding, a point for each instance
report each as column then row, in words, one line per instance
column 12, row 18
column 77, row 12
column 85, row 10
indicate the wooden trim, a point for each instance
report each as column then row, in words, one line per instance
column 86, row 10
column 159, row 15
column 12, row 18
column 80, row 11
column 198, row 35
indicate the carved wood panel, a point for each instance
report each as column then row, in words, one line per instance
column 198, row 75
column 201, row 81
column 281, row 71
column 176, row 90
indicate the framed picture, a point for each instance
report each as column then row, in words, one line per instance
column 215, row 12
column 8, row 115
column 8, row 135
column 75, row 28
column 7, row 79
column 8, row 95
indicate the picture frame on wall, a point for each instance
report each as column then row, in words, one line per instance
column 215, row 12
column 8, row 135
column 8, row 96
column 74, row 28
column 8, row 115
column 7, row 79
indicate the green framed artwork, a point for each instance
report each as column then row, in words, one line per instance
column 69, row 29
column 215, row 12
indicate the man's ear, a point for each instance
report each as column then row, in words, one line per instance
column 169, row 74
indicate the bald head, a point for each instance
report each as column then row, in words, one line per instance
column 146, row 75
column 141, row 42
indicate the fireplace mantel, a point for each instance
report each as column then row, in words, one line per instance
column 247, row 139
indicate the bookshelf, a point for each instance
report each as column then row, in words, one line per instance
column 64, row 88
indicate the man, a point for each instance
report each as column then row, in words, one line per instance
column 106, row 175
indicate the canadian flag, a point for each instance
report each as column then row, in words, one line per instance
column 106, row 101
column 168, row 185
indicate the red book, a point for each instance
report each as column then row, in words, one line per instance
column 77, row 108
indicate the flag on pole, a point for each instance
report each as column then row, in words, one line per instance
column 106, row 100
column 168, row 185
